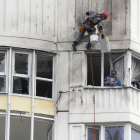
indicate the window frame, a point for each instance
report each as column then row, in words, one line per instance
column 102, row 65
column 5, row 73
column 116, row 125
column 28, row 75
column 97, row 128
column 44, row 79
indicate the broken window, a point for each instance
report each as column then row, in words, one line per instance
column 43, row 130
column 3, row 72
column 135, row 72
column 20, row 128
column 135, row 135
column 91, row 134
column 109, row 61
column 20, row 85
column 22, row 73
column 2, row 127
column 114, row 133
column 44, row 74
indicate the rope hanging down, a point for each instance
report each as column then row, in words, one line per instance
column 93, row 85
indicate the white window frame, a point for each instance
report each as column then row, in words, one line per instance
column 117, row 125
column 29, row 76
column 5, row 73
column 97, row 128
column 45, row 79
column 102, row 64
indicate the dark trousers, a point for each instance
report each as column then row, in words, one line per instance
column 81, row 34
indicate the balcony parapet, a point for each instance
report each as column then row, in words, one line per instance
column 107, row 100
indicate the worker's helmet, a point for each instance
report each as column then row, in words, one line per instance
column 105, row 15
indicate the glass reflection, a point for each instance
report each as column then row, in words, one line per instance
column 21, row 63
column 2, row 83
column 91, row 134
column 135, row 135
column 20, row 85
column 2, row 62
column 114, row 133
column 44, row 66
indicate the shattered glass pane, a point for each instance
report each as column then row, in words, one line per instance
column 44, row 89
column 44, row 66
column 2, row 62
column 114, row 133
column 91, row 134
column 2, row 83
column 135, row 135
column 20, row 85
column 21, row 63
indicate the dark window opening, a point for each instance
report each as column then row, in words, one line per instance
column 96, row 64
column 20, row 85
column 44, row 66
column 114, row 133
column 91, row 134
column 2, row 62
column 2, row 83
column 44, row 89
column 21, row 63
column 106, row 65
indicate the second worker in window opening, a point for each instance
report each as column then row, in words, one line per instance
column 112, row 80
column 88, row 25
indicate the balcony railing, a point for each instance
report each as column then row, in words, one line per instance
column 107, row 100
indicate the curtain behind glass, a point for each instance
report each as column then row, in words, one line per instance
column 135, row 68
column 119, row 67
column 114, row 133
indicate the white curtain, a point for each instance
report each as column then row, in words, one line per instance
column 119, row 67
column 135, row 68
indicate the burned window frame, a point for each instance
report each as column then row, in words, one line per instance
column 5, row 73
column 92, row 127
column 44, row 79
column 102, row 64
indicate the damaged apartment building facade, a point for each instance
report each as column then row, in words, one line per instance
column 45, row 91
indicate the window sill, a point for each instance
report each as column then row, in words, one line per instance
column 21, row 95
column 3, row 93
column 44, row 98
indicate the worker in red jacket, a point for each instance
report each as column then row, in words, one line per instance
column 88, row 25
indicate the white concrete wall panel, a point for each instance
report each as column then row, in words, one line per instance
column 135, row 25
column 63, row 79
column 116, row 26
column 77, row 68
column 28, row 18
column 62, row 126
column 77, row 132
